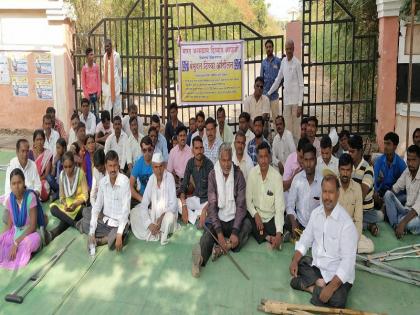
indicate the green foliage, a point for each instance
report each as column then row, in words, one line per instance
column 405, row 11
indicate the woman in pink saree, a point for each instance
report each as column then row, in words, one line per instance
column 42, row 158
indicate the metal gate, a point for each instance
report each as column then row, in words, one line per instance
column 139, row 38
column 339, row 68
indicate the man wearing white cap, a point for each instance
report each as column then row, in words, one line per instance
column 160, row 220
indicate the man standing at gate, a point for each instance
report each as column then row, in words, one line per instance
column 291, row 72
column 111, row 84
column 270, row 67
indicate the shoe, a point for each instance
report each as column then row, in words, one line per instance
column 197, row 260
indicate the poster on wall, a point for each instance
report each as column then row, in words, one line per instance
column 44, row 88
column 19, row 62
column 211, row 72
column 4, row 69
column 20, row 85
column 42, row 63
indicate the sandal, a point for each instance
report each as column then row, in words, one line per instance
column 373, row 229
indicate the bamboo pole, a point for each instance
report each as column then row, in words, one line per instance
column 165, row 83
column 410, row 73
column 278, row 307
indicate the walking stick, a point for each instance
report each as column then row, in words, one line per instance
column 36, row 277
column 227, row 253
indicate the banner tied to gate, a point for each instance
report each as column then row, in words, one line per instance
column 211, row 72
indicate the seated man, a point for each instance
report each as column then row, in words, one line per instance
column 406, row 217
column 351, row 200
column 283, row 145
column 51, row 136
column 293, row 165
column 304, row 194
column 191, row 130
column 161, row 143
column 141, row 172
column 259, row 138
column 107, row 222
column 245, row 127
column 363, row 175
column 343, row 138
column 195, row 179
column 327, row 159
column 99, row 172
column 211, row 143
column 117, row 142
column 388, row 168
column 74, row 119
column 156, row 216
column 172, row 125
column 416, row 140
column 179, row 156
column 132, row 112
column 57, row 124
column 224, row 132
column 87, row 117
column 132, row 148
column 240, row 156
column 265, row 200
column 227, row 211
column 200, row 120
column 104, row 129
column 329, row 274
column 311, row 130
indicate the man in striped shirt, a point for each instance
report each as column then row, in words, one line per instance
column 363, row 175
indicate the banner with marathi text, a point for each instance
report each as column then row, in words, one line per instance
column 211, row 72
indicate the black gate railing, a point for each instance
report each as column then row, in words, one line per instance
column 138, row 37
column 339, row 68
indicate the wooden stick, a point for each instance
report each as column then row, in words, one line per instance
column 278, row 307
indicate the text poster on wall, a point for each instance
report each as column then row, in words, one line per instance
column 44, row 88
column 20, row 85
column 4, row 69
column 42, row 63
column 211, row 72
column 19, row 62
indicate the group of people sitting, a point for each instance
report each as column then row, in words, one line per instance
column 109, row 178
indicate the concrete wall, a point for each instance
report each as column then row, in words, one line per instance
column 31, row 27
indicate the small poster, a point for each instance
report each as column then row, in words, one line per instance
column 4, row 69
column 19, row 62
column 42, row 63
column 44, row 88
column 20, row 85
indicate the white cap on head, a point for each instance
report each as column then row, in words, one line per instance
column 333, row 136
column 157, row 157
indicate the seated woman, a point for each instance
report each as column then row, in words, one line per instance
column 42, row 158
column 57, row 166
column 87, row 163
column 21, row 238
column 73, row 195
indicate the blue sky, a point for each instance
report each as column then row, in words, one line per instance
column 279, row 8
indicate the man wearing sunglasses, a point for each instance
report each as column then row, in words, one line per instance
column 141, row 172
column 257, row 104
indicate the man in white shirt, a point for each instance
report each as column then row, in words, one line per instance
column 283, row 145
column 200, row 119
column 133, row 150
column 156, row 216
column 51, row 136
column 240, row 156
column 105, row 128
column 87, row 117
column 329, row 274
column 113, row 203
column 161, row 143
column 72, row 132
column 291, row 72
column 99, row 172
column 224, row 132
column 258, row 104
column 28, row 167
column 112, row 80
column 245, row 127
column 304, row 194
column 211, row 143
column 117, row 141
column 327, row 159
column 132, row 112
